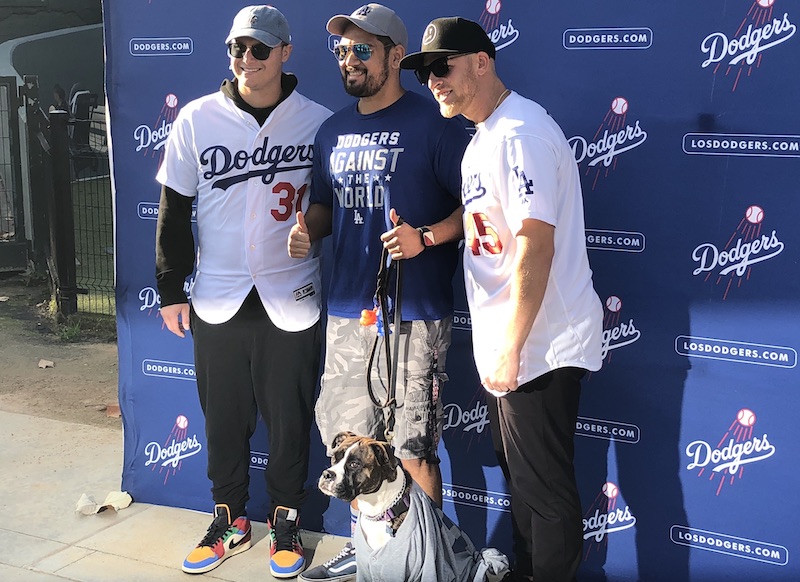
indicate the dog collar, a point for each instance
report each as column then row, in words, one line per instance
column 398, row 508
column 401, row 504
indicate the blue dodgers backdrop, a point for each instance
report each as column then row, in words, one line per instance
column 683, row 119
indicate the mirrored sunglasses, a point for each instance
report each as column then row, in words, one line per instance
column 440, row 67
column 260, row 51
column 361, row 50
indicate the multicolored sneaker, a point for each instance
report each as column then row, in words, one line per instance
column 340, row 568
column 223, row 540
column 286, row 558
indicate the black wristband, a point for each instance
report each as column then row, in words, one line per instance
column 422, row 237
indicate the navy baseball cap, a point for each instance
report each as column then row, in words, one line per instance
column 375, row 19
column 449, row 36
column 263, row 23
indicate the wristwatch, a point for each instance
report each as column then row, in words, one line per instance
column 426, row 236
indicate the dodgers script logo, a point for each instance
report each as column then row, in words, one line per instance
column 501, row 32
column 724, row 460
column 760, row 30
column 615, row 136
column 617, row 332
column 178, row 446
column 473, row 418
column 151, row 139
column 748, row 245
column 267, row 159
column 606, row 515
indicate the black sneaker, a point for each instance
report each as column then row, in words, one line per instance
column 286, row 558
column 340, row 568
column 222, row 540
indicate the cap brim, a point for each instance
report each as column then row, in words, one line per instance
column 417, row 60
column 338, row 24
column 260, row 35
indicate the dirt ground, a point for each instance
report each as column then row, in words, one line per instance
column 81, row 387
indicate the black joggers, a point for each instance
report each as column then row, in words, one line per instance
column 532, row 431
column 245, row 366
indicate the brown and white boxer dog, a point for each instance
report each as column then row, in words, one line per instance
column 401, row 535
column 366, row 470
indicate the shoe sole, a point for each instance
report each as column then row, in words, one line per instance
column 239, row 549
column 282, row 575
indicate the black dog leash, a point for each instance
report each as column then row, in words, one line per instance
column 382, row 298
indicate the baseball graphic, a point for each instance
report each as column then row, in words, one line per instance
column 754, row 214
column 182, row 421
column 746, row 417
column 610, row 490
column 619, row 105
column 171, row 100
column 765, row 3
column 493, row 6
column 614, row 303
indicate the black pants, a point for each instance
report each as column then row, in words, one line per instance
column 533, row 433
column 245, row 366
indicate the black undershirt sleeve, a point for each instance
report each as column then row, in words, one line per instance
column 174, row 246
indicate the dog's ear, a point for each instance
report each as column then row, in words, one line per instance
column 337, row 440
column 384, row 453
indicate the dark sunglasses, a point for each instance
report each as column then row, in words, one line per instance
column 362, row 51
column 439, row 67
column 260, row 51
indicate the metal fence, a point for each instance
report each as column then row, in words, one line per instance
column 93, row 214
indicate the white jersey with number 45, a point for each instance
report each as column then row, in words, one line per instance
column 519, row 166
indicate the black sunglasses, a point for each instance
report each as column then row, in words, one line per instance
column 260, row 51
column 439, row 67
column 362, row 51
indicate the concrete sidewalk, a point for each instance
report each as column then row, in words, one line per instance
column 48, row 464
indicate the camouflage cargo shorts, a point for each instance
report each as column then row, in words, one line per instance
column 344, row 402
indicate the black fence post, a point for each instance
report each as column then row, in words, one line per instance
column 62, row 221
column 38, row 170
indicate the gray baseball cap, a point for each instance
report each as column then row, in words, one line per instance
column 263, row 23
column 375, row 19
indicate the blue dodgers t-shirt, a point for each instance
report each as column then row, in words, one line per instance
column 406, row 157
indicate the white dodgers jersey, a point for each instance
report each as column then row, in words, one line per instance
column 519, row 166
column 249, row 181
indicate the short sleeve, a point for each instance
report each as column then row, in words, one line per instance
column 531, row 185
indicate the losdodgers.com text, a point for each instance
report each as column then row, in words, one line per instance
column 775, row 145
column 733, row 546
column 700, row 347
column 471, row 497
